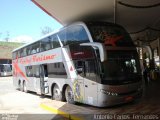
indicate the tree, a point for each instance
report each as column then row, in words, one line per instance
column 45, row 30
column 5, row 37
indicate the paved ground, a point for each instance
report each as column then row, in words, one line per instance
column 147, row 108
column 25, row 105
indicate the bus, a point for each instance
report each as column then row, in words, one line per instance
column 5, row 70
column 94, row 63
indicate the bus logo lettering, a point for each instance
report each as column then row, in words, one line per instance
column 36, row 58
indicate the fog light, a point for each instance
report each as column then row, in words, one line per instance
column 108, row 93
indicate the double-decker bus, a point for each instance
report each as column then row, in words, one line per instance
column 95, row 63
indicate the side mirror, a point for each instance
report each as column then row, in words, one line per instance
column 98, row 46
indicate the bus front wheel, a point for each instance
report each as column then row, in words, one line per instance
column 69, row 95
column 57, row 95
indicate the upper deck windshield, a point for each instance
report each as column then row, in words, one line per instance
column 122, row 65
column 110, row 34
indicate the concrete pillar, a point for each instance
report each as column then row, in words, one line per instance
column 159, row 50
column 149, row 50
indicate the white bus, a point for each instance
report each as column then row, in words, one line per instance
column 5, row 70
column 95, row 63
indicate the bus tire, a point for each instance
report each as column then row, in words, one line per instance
column 69, row 95
column 25, row 87
column 19, row 85
column 57, row 95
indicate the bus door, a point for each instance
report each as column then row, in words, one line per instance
column 86, row 55
column 43, row 74
column 79, row 83
column 90, row 82
column 85, row 64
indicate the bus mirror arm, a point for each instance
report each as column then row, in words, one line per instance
column 98, row 46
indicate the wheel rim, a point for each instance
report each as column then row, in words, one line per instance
column 24, row 87
column 69, row 95
column 56, row 93
column 21, row 86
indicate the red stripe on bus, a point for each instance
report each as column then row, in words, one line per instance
column 71, row 68
column 18, row 70
column 109, row 40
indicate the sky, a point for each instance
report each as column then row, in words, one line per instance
column 22, row 20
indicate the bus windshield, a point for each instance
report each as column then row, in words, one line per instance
column 5, row 68
column 1, row 68
column 110, row 34
column 121, row 67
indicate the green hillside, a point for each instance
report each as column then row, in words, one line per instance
column 6, row 49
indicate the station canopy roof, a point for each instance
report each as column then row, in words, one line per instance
column 141, row 18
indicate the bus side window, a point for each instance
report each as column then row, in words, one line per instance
column 45, row 71
column 54, row 42
column 79, row 65
column 45, row 44
column 29, row 71
column 34, row 48
column 56, row 70
column 37, row 71
column 38, row 50
column 47, row 47
column 62, row 35
column 14, row 55
column 28, row 50
column 19, row 54
column 33, row 51
column 24, row 52
column 42, row 48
